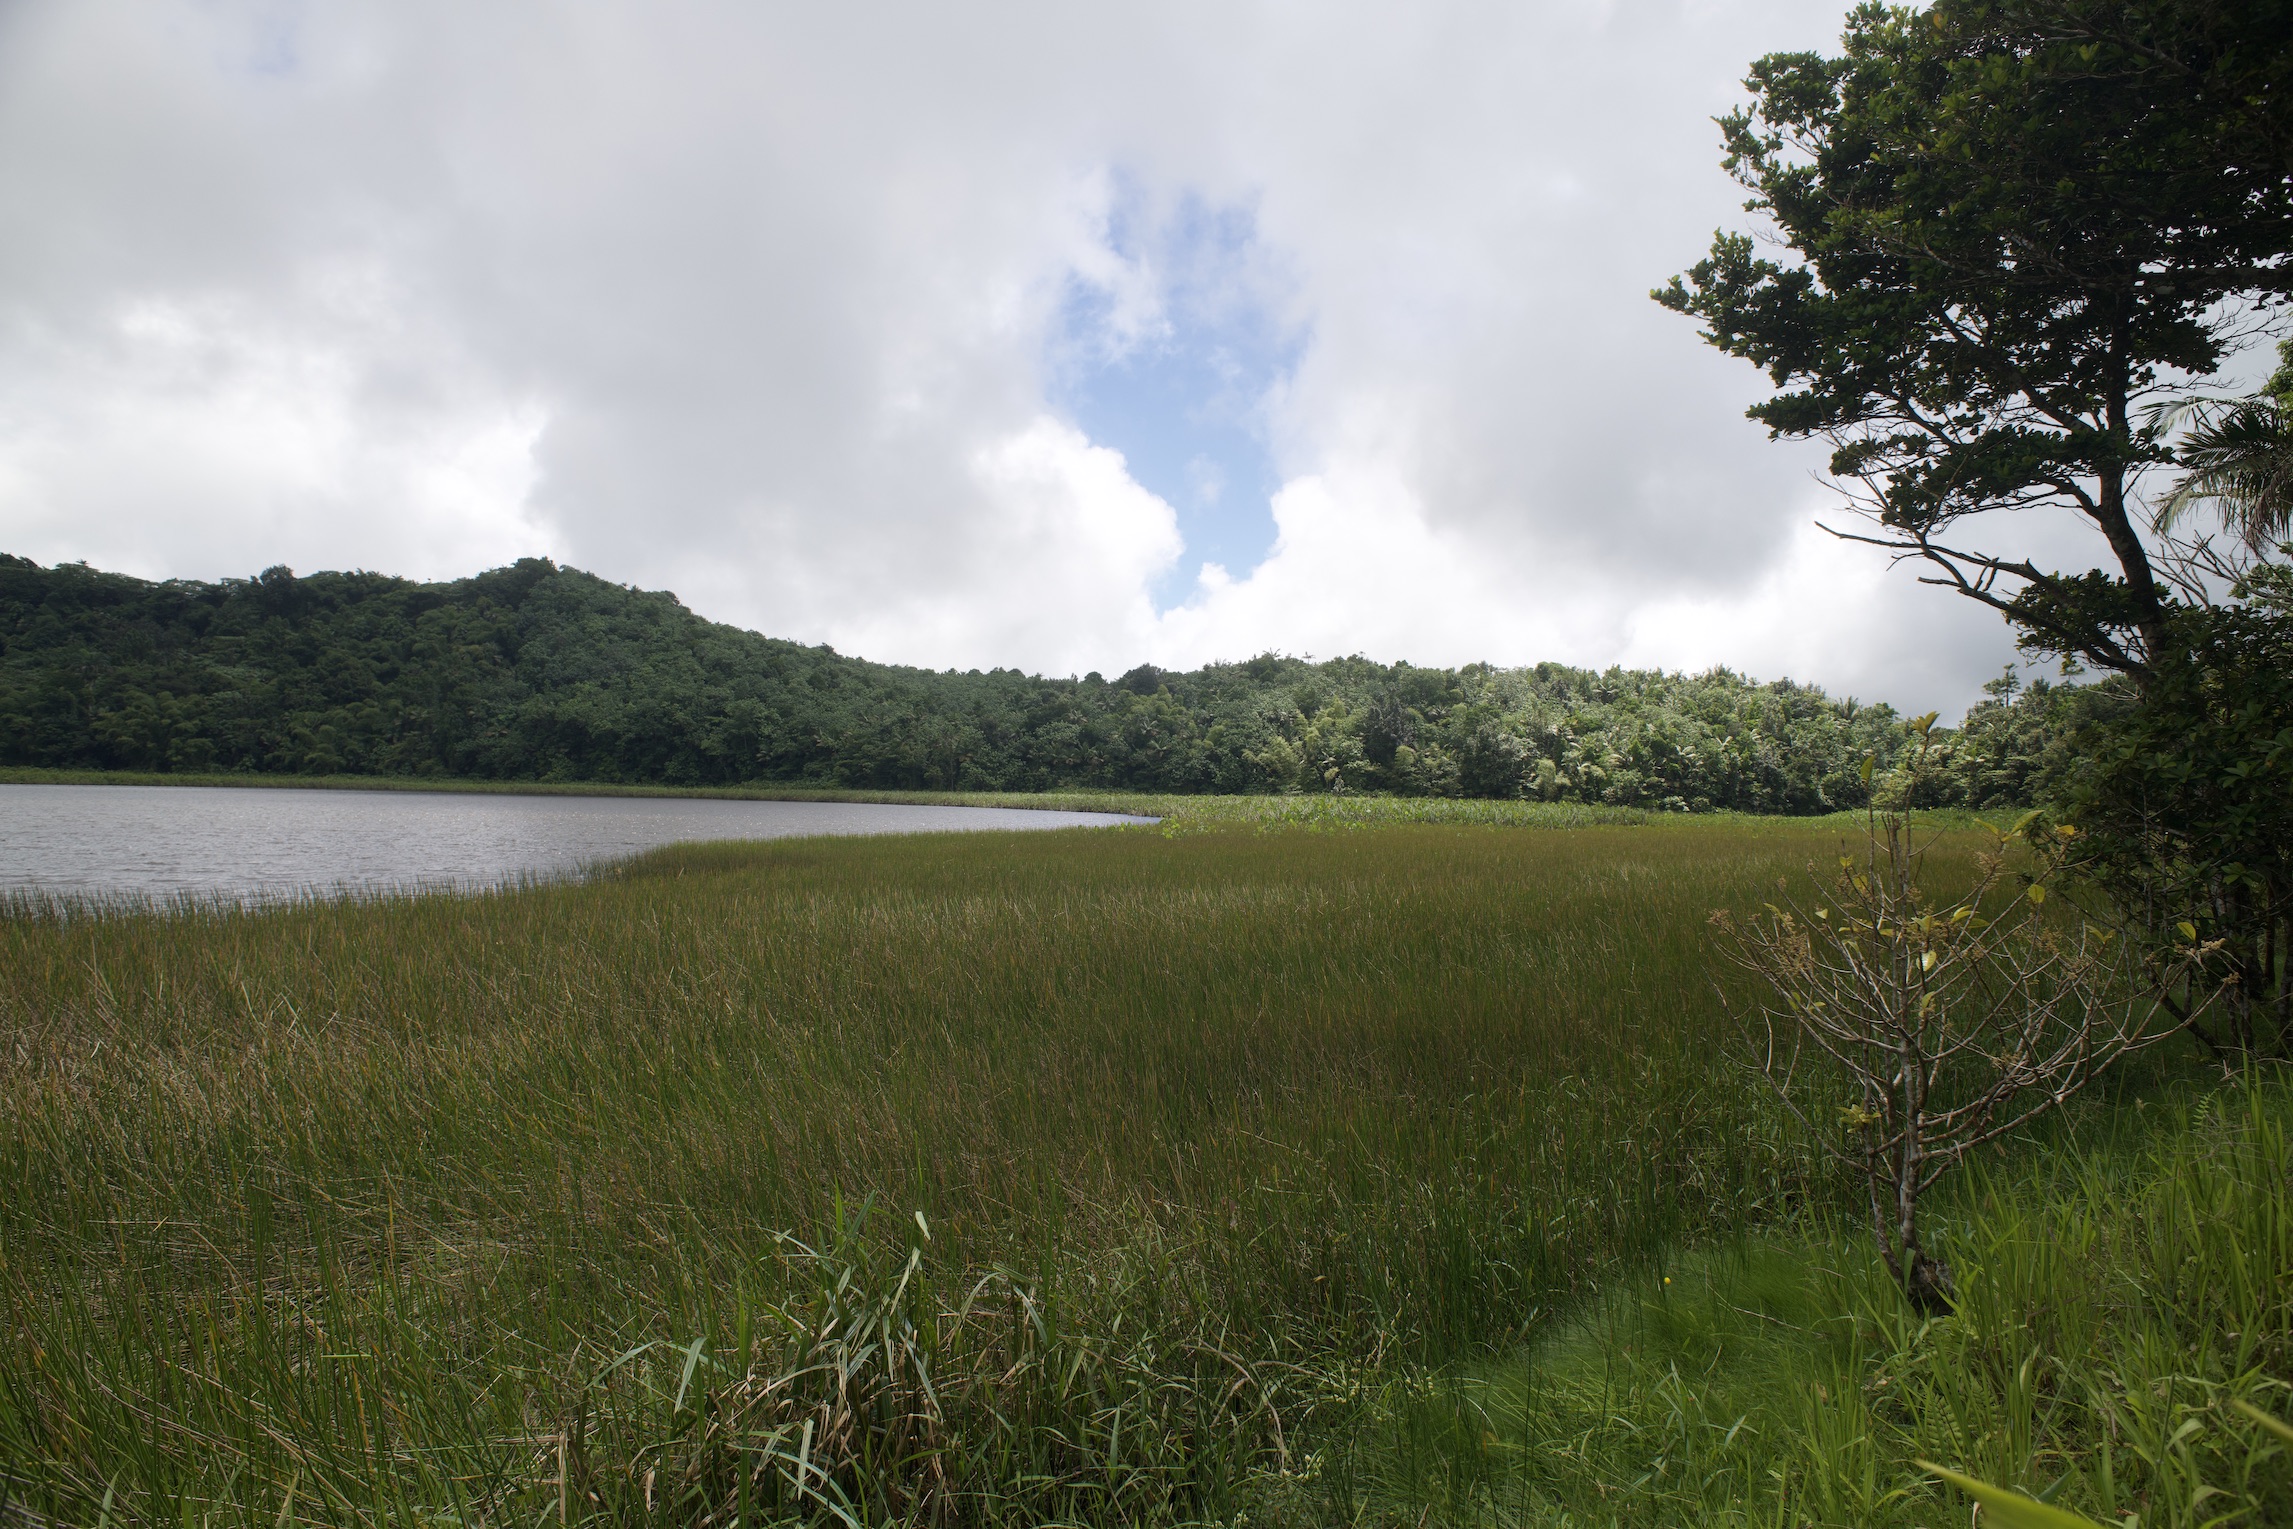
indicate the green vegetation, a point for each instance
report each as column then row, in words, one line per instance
column 1299, row 1099
column 2117, row 1302
column 1232, row 1171
column 536, row 673
column 2003, row 238
column 1126, row 1176
column 2183, row 797
column 2007, row 243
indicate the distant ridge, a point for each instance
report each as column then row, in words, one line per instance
column 537, row 672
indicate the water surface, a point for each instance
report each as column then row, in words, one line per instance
column 261, row 842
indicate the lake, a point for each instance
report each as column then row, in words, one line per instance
column 262, row 842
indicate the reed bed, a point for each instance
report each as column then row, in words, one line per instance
column 1104, row 1177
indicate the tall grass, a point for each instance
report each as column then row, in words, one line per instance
column 2119, row 1298
column 969, row 1178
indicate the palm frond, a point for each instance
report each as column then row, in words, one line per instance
column 2240, row 462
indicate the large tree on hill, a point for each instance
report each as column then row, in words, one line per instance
column 2011, row 229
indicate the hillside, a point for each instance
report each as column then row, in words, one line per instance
column 536, row 672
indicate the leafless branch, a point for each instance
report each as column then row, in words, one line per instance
column 1948, row 1024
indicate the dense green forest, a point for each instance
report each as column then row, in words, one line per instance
column 536, row 672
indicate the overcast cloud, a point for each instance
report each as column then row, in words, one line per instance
column 1055, row 336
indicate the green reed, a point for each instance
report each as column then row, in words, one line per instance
column 1093, row 1176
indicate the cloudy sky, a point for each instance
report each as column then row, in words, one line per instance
column 1061, row 336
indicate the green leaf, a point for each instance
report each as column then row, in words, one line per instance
column 2012, row 1509
column 2265, row 1420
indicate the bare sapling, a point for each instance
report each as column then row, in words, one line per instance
column 1904, row 1029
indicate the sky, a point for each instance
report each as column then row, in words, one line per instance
column 1053, row 336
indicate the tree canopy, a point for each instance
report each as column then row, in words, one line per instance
column 2009, row 223
column 536, row 672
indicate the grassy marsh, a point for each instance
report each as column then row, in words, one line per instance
column 1096, row 1176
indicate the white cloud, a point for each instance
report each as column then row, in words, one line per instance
column 199, row 436
column 1357, row 567
column 756, row 303
column 1832, row 608
column 1059, row 568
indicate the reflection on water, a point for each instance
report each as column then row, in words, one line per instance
column 264, row 842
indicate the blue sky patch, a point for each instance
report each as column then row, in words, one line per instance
column 1172, row 363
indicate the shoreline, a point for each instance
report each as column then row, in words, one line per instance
column 1065, row 800
column 1175, row 812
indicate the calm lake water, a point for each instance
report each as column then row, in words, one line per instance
column 259, row 842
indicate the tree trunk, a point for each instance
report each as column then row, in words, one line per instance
column 2126, row 543
column 1928, row 1285
column 1925, row 1282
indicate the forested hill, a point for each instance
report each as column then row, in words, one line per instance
column 536, row 672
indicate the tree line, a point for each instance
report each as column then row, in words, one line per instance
column 536, row 672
